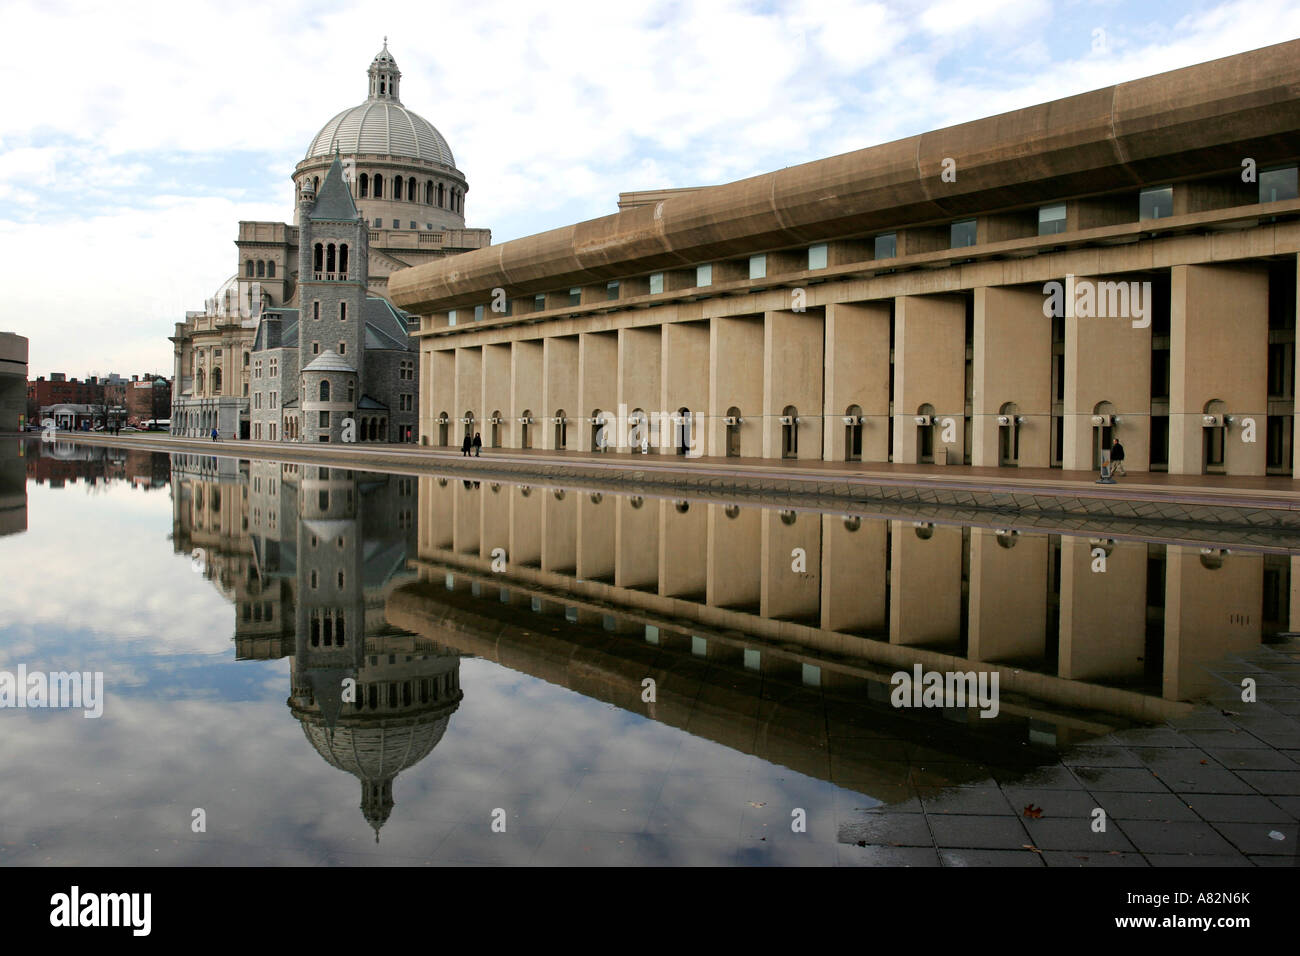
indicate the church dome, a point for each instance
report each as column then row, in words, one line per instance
column 382, row 124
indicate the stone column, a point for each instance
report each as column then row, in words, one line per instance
column 924, row 583
column 792, row 377
column 1218, row 352
column 1103, row 609
column 640, row 355
column 735, row 352
column 853, row 574
column 857, row 373
column 1212, row 610
column 1008, row 596
column 929, row 369
column 1011, row 364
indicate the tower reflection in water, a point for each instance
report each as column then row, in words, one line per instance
column 308, row 555
column 771, row 630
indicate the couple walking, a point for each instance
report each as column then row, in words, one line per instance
column 467, row 444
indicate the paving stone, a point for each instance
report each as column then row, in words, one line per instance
column 1128, row 779
column 1236, row 808
column 1091, row 859
column 1052, row 803
column 1256, row 837
column 1074, row 834
column 886, row 856
column 1195, row 860
column 964, row 800
column 1274, row 782
column 1144, row 806
column 888, row 829
column 978, row 832
column 1253, row 759
column 1101, row 757
column 973, row 857
column 1159, row 836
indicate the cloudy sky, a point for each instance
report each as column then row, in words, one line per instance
column 134, row 136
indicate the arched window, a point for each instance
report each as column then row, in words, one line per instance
column 319, row 258
column 397, row 187
column 411, row 193
column 315, row 183
column 325, row 390
column 343, row 258
column 216, row 381
column 329, row 258
column 363, row 185
column 261, row 268
column 198, row 383
column 270, row 269
column 428, row 193
column 248, row 268
column 790, row 432
column 379, row 186
column 440, row 195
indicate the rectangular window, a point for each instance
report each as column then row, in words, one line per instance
column 379, row 223
column 324, row 419
column 886, row 245
column 352, row 392
column 539, row 303
column 315, row 348
column 575, row 297
column 275, row 399
column 315, row 310
column 413, row 225
column 343, row 311
column 397, row 224
column 758, row 267
column 478, row 313
column 817, row 256
column 1051, row 219
column 451, row 317
column 611, row 290
column 656, row 283
column 1156, row 202
column 1277, row 184
column 963, row 233
column 343, row 347
column 704, row 275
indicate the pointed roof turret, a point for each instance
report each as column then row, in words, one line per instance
column 334, row 201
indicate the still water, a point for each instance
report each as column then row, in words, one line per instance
column 306, row 665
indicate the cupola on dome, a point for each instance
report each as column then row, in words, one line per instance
column 382, row 125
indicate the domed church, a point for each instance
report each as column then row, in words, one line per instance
column 399, row 192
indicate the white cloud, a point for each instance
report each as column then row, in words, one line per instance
column 112, row 224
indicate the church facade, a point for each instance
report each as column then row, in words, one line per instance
column 406, row 199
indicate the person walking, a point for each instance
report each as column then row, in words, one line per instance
column 465, row 446
column 214, row 434
column 478, row 445
column 1117, row 459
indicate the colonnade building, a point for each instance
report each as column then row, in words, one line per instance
column 1013, row 291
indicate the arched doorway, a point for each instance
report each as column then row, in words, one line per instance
column 790, row 432
column 525, row 433
column 1009, row 435
column 1103, row 431
column 468, row 421
column 496, row 428
column 638, row 433
column 561, row 430
column 925, row 434
column 853, row 433
column 444, row 430
column 733, row 422
column 599, row 435
column 1214, row 437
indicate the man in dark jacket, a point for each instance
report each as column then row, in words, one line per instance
column 478, row 445
column 465, row 446
column 1117, row 459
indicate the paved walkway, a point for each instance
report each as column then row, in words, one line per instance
column 1258, row 492
column 1220, row 787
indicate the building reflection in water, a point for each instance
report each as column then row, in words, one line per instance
column 307, row 555
column 773, row 631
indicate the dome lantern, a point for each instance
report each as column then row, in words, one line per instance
column 384, row 76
